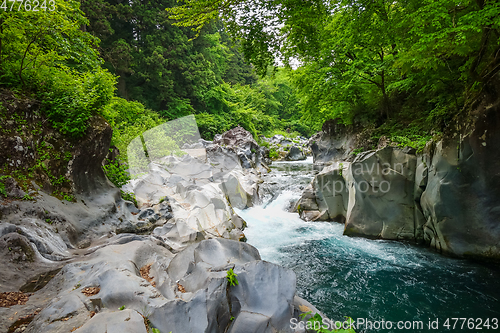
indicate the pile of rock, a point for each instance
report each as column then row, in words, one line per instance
column 241, row 142
column 163, row 265
column 287, row 149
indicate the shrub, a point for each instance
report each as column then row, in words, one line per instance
column 117, row 173
column 211, row 124
column 70, row 98
column 273, row 154
column 128, row 119
column 129, row 197
column 3, row 191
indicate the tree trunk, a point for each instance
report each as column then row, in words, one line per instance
column 387, row 105
column 122, row 85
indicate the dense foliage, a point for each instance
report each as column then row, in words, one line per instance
column 175, row 74
column 73, row 58
column 404, row 67
column 46, row 53
column 264, row 108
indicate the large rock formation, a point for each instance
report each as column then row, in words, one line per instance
column 336, row 142
column 373, row 195
column 134, row 284
column 112, row 279
column 381, row 200
column 197, row 197
column 57, row 195
column 445, row 196
column 242, row 143
column 461, row 188
column 326, row 198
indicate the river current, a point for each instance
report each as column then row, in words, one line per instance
column 373, row 280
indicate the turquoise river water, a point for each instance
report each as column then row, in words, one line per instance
column 370, row 280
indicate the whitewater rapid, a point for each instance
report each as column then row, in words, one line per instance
column 362, row 278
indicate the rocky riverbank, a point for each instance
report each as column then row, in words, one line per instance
column 85, row 260
column 288, row 149
column 445, row 196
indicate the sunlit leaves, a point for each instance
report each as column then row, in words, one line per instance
column 35, row 39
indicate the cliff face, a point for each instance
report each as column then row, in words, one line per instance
column 336, row 142
column 33, row 151
column 446, row 197
column 54, row 194
column 460, row 197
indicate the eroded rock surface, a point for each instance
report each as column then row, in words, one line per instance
column 445, row 197
column 373, row 195
column 241, row 142
column 173, row 276
column 335, row 142
column 461, row 187
column 192, row 293
column 89, row 261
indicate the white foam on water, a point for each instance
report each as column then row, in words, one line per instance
column 362, row 277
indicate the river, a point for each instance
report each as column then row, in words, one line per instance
column 366, row 279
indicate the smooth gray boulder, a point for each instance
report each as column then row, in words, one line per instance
column 381, row 195
column 295, row 154
column 374, row 195
column 327, row 197
column 332, row 191
column 126, row 321
column 460, row 201
column 241, row 189
column 188, row 292
column 263, row 299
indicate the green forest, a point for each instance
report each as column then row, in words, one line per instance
column 404, row 69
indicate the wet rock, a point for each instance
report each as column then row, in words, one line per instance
column 327, row 197
column 443, row 196
column 308, row 208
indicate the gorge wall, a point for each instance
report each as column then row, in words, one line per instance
column 445, row 197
